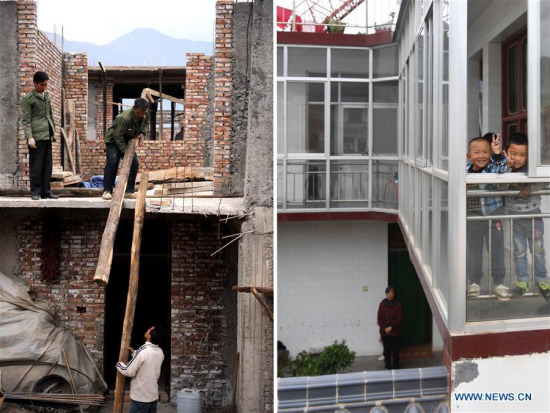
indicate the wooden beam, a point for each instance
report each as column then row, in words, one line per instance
column 132, row 293
column 256, row 292
column 105, row 259
column 148, row 94
column 267, row 291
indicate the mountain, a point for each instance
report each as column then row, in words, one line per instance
column 141, row 47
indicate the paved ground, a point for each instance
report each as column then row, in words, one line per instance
column 371, row 363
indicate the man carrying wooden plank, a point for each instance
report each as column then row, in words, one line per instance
column 130, row 124
column 144, row 368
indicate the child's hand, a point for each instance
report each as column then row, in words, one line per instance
column 525, row 191
column 495, row 145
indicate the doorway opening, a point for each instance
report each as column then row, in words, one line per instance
column 153, row 298
column 416, row 336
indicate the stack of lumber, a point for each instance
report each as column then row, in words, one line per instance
column 61, row 179
column 180, row 174
column 185, row 188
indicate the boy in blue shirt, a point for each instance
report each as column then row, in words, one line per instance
column 478, row 233
column 522, row 204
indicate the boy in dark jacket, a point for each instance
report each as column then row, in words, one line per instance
column 390, row 317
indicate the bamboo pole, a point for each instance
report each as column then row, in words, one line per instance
column 73, row 384
column 132, row 292
column 267, row 291
column 105, row 259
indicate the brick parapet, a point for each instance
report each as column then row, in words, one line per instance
column 152, row 155
column 222, row 96
column 76, row 87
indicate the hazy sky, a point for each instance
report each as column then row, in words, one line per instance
column 101, row 21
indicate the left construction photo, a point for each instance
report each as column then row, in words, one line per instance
column 136, row 211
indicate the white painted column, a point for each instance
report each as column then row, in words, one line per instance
column 458, row 70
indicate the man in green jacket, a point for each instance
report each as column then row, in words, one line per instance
column 130, row 124
column 39, row 128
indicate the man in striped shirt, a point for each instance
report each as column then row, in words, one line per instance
column 144, row 368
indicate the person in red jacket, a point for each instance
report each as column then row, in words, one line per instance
column 390, row 317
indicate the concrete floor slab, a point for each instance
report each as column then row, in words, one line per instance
column 169, row 205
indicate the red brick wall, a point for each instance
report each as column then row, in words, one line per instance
column 37, row 53
column 152, row 155
column 222, row 95
column 80, row 243
column 198, row 71
column 197, row 300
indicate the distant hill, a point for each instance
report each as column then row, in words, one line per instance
column 141, row 47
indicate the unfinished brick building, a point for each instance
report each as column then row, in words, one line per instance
column 188, row 265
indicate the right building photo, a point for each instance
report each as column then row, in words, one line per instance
column 413, row 205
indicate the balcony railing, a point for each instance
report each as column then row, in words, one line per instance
column 520, row 240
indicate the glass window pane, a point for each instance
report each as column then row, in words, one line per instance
column 349, row 184
column 349, row 130
column 443, row 271
column 280, row 61
column 307, row 62
column 306, row 184
column 305, row 118
column 513, row 74
column 385, row 131
column 349, row 63
column 280, row 117
column 545, row 83
column 385, row 92
column 419, row 56
column 444, row 110
column 346, row 92
column 385, row 184
column 385, row 61
column 280, row 189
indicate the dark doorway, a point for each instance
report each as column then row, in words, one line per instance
column 153, row 300
column 417, row 316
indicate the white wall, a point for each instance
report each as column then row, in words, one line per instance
column 322, row 268
column 516, row 375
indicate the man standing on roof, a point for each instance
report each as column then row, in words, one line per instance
column 39, row 128
column 144, row 368
column 130, row 124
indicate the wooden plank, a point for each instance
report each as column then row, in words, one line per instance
column 69, row 154
column 197, row 184
column 179, row 174
column 132, row 293
column 61, row 174
column 105, row 259
column 56, row 184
